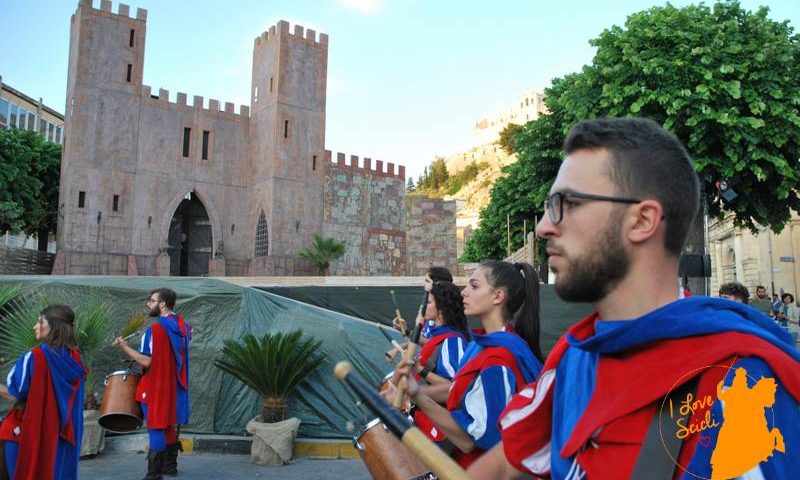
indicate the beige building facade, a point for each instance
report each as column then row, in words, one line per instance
column 155, row 184
column 764, row 258
column 529, row 106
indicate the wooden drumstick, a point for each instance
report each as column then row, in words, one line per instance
column 413, row 342
column 431, row 455
column 397, row 314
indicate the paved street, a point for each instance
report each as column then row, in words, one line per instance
column 120, row 465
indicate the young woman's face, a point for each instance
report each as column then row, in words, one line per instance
column 41, row 328
column 432, row 311
column 478, row 295
column 788, row 300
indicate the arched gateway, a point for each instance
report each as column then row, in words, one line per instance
column 189, row 244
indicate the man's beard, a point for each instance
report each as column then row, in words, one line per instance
column 154, row 312
column 594, row 274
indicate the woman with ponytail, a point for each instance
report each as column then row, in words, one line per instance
column 42, row 433
column 495, row 365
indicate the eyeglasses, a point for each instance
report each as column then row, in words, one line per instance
column 554, row 205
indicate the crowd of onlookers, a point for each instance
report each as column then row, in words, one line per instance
column 782, row 308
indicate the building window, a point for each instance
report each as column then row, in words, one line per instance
column 130, row 72
column 81, row 199
column 130, row 41
column 4, row 107
column 31, row 121
column 12, row 118
column 314, row 162
column 270, row 84
column 42, row 126
column 115, row 203
column 22, row 118
column 286, row 129
column 58, row 135
column 51, row 132
column 262, row 236
column 206, row 135
column 187, row 133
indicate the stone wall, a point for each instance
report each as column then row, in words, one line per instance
column 430, row 234
column 364, row 208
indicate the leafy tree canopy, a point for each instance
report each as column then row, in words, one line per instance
column 29, row 176
column 725, row 80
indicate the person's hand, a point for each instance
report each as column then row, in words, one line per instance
column 388, row 391
column 404, row 372
column 400, row 325
column 119, row 342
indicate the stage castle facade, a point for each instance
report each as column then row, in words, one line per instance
column 157, row 186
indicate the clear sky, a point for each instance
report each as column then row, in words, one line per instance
column 407, row 79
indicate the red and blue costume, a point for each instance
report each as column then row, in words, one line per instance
column 43, row 438
column 494, row 367
column 164, row 387
column 442, row 355
column 588, row 412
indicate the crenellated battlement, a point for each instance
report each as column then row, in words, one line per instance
column 198, row 102
column 123, row 10
column 300, row 33
column 366, row 166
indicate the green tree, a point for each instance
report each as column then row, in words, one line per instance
column 323, row 251
column 726, row 81
column 507, row 139
column 29, row 178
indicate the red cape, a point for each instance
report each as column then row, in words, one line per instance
column 420, row 419
column 38, row 439
column 158, row 387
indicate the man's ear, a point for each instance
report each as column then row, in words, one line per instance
column 645, row 220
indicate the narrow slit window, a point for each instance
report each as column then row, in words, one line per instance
column 115, row 204
column 314, row 162
column 187, row 134
column 81, row 199
column 286, row 129
column 206, row 135
column 130, row 41
column 270, row 84
column 255, row 94
column 130, row 72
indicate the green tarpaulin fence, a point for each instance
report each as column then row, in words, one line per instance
column 218, row 311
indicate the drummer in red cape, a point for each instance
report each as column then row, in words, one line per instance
column 441, row 355
column 164, row 388
column 42, row 432
column 501, row 359
column 617, row 217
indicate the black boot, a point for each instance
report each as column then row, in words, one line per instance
column 170, row 467
column 155, row 463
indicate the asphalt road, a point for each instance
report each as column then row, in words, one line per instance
column 129, row 466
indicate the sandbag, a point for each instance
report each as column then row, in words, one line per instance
column 272, row 442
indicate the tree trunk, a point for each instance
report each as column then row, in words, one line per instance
column 42, row 237
column 274, row 409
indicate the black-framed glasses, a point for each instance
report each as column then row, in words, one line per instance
column 554, row 205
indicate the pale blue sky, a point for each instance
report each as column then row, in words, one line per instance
column 407, row 79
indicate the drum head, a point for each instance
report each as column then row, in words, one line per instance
column 119, row 422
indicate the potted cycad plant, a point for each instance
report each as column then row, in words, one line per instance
column 91, row 323
column 272, row 366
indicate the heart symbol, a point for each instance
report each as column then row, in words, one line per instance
column 705, row 440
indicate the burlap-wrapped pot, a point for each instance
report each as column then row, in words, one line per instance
column 272, row 442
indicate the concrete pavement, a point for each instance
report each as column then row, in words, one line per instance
column 126, row 465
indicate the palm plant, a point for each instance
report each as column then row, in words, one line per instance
column 272, row 366
column 91, row 321
column 323, row 251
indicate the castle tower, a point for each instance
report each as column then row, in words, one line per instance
column 106, row 58
column 287, row 140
